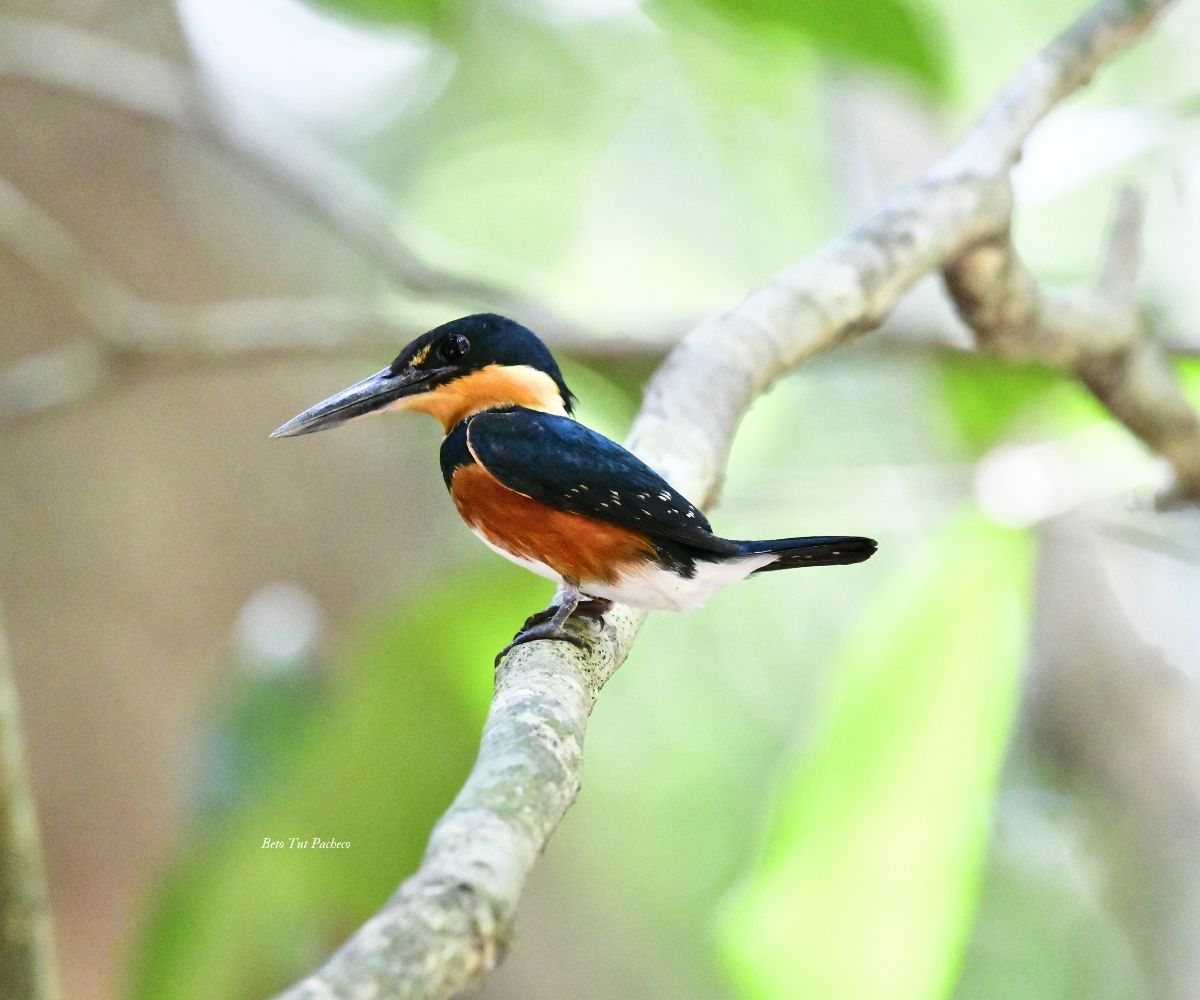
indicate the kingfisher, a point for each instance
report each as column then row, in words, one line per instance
column 549, row 493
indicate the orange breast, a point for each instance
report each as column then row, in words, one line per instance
column 576, row 547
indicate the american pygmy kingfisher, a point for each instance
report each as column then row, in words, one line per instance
column 553, row 495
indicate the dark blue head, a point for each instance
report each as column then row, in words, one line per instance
column 475, row 363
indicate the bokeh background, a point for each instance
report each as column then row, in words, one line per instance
column 969, row 768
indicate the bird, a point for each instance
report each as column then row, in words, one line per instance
column 549, row 493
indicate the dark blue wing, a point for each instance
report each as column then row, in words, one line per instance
column 560, row 462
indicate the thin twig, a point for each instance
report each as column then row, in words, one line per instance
column 1116, row 279
column 26, row 946
column 449, row 923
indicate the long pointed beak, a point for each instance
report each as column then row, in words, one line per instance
column 371, row 394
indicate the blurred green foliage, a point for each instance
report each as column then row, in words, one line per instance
column 1188, row 370
column 603, row 162
column 436, row 16
column 990, row 400
column 882, row 33
column 556, row 159
column 987, row 396
column 375, row 767
column 879, row 33
column 658, row 169
column 866, row 885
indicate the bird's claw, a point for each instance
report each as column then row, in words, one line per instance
column 593, row 609
column 538, row 618
column 543, row 630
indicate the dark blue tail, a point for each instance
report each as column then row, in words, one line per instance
column 817, row 550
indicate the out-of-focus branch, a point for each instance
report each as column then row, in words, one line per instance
column 135, row 332
column 128, row 334
column 238, row 332
column 449, row 923
column 1118, row 716
column 68, row 58
column 132, row 328
column 26, row 948
column 1097, row 335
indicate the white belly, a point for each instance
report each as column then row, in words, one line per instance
column 651, row 587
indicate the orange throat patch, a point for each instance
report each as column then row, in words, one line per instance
column 487, row 389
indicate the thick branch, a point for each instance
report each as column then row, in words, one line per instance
column 1051, row 76
column 448, row 924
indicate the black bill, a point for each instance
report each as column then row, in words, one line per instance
column 371, row 394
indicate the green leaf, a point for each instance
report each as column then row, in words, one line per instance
column 1188, row 370
column 867, row 885
column 985, row 396
column 990, row 399
column 375, row 766
column 435, row 16
column 882, row 33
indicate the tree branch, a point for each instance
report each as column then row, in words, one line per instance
column 129, row 333
column 449, row 923
column 1097, row 335
column 26, row 947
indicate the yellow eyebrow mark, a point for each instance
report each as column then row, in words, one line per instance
column 420, row 356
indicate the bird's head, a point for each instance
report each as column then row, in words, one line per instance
column 471, row 364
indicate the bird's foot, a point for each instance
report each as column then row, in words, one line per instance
column 593, row 609
column 546, row 629
column 549, row 624
column 538, row 618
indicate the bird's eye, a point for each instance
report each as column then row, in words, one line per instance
column 454, row 347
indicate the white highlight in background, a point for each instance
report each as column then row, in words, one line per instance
column 333, row 74
column 1018, row 485
column 278, row 627
column 1077, row 144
